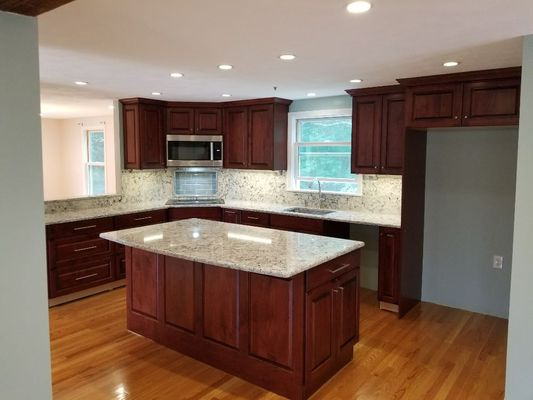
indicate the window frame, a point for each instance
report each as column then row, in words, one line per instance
column 293, row 146
column 88, row 163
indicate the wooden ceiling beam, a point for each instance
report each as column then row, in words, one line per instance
column 31, row 7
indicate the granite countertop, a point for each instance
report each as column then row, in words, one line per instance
column 354, row 217
column 247, row 248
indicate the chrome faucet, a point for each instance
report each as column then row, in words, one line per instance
column 319, row 192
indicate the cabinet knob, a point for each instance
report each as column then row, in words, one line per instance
column 456, row 117
column 375, row 167
column 465, row 117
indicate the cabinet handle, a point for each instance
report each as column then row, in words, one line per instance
column 340, row 269
column 86, row 276
column 231, row 212
column 253, row 218
column 80, row 228
column 142, row 218
column 85, row 249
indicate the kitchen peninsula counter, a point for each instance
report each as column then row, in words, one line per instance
column 279, row 309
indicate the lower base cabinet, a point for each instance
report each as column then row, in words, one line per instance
column 287, row 335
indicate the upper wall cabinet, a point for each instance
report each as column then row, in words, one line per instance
column 378, row 128
column 255, row 134
column 188, row 120
column 481, row 98
column 144, row 140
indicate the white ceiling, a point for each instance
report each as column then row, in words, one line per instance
column 127, row 48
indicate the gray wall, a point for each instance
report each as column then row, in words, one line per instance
column 470, row 185
column 24, row 342
column 520, row 344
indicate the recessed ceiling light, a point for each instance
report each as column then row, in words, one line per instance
column 225, row 67
column 176, row 75
column 287, row 57
column 358, row 7
column 311, row 94
column 81, row 83
column 451, row 63
column 356, row 80
column 226, row 95
column 156, row 93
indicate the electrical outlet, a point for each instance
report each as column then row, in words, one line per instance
column 497, row 262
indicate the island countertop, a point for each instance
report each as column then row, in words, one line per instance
column 248, row 248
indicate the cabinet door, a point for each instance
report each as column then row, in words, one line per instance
column 320, row 336
column 236, row 137
column 180, row 121
column 261, row 130
column 389, row 264
column 392, row 134
column 495, row 102
column 366, row 134
column 132, row 149
column 152, row 138
column 433, row 106
column 232, row 216
column 347, row 293
column 208, row 121
column 179, row 213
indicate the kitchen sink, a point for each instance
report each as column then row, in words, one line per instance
column 312, row 211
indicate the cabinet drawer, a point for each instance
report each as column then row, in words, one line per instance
column 140, row 219
column 80, row 249
column 255, row 218
column 232, row 216
column 211, row 213
column 94, row 273
column 331, row 270
column 297, row 224
column 86, row 227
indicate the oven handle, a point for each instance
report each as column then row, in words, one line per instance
column 211, row 151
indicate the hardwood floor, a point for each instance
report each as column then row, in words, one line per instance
column 435, row 352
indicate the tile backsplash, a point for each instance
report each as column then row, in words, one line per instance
column 381, row 193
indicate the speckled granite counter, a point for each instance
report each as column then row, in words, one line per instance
column 247, row 248
column 353, row 217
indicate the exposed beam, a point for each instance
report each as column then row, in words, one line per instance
column 31, row 7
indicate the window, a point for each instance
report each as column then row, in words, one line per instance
column 320, row 148
column 95, row 162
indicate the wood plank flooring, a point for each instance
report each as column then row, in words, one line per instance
column 435, row 352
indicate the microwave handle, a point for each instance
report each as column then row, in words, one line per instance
column 212, row 151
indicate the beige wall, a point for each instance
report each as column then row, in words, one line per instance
column 63, row 157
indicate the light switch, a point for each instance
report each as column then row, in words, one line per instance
column 497, row 262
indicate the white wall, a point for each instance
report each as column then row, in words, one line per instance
column 24, row 341
column 470, row 188
column 63, row 163
column 520, row 345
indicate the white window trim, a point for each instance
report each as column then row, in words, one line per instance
column 292, row 160
column 87, row 163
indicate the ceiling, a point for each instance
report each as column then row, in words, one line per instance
column 128, row 48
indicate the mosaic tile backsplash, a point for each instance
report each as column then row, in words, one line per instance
column 381, row 193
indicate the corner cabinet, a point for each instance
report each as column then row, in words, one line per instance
column 481, row 98
column 378, row 129
column 144, row 138
column 255, row 134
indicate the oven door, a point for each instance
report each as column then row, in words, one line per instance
column 194, row 151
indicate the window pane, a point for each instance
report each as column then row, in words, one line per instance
column 341, row 187
column 96, row 146
column 96, row 180
column 325, row 162
column 335, row 129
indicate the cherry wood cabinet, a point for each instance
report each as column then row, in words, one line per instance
column 255, row 218
column 232, row 216
column 480, row 98
column 255, row 134
column 389, row 267
column 144, row 138
column 211, row 213
column 189, row 120
column 378, row 128
column 277, row 333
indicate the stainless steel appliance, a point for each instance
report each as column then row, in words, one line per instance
column 194, row 151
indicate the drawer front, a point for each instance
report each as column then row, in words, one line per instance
column 140, row 219
column 80, row 249
column 92, row 274
column 232, row 216
column 255, row 218
column 120, row 267
column 332, row 270
column 86, row 227
column 297, row 224
column 211, row 213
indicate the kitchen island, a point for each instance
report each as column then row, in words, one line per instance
column 279, row 309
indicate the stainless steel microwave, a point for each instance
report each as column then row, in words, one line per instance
column 194, row 151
